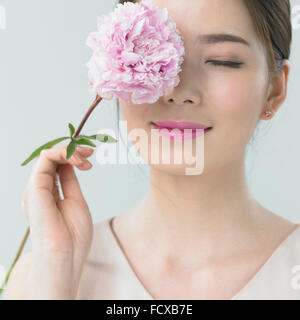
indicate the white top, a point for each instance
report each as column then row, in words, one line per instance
column 108, row 275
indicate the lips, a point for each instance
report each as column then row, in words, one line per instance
column 187, row 130
column 180, row 125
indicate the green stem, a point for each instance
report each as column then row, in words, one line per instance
column 83, row 121
column 92, row 107
column 15, row 260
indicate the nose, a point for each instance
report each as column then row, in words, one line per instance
column 181, row 97
column 173, row 100
column 186, row 93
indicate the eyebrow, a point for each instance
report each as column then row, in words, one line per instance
column 221, row 37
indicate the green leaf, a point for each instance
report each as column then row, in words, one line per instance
column 106, row 138
column 71, row 149
column 85, row 141
column 87, row 137
column 100, row 138
column 72, row 129
column 47, row 145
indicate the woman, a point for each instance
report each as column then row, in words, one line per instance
column 193, row 236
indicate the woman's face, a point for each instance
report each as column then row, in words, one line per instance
column 228, row 98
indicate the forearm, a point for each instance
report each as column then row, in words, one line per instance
column 51, row 278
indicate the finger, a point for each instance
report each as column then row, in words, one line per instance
column 83, row 163
column 24, row 202
column 85, row 151
column 69, row 183
column 44, row 170
column 56, row 194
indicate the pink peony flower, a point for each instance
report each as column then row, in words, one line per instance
column 137, row 51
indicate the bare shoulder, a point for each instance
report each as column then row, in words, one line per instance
column 15, row 288
column 282, row 223
column 276, row 228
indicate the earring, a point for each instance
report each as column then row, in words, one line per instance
column 268, row 113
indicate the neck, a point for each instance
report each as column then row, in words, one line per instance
column 206, row 213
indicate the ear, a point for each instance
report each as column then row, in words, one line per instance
column 278, row 89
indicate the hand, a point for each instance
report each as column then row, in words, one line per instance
column 61, row 229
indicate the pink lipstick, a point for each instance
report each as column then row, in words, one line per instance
column 185, row 130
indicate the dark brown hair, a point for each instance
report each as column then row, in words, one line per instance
column 272, row 23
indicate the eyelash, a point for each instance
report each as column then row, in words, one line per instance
column 229, row 64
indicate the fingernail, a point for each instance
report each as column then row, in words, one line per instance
column 80, row 148
column 79, row 158
column 87, row 164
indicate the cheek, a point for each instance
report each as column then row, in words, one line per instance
column 237, row 102
column 239, row 97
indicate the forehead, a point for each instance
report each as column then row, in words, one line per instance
column 194, row 17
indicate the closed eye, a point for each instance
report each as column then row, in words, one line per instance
column 230, row 64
